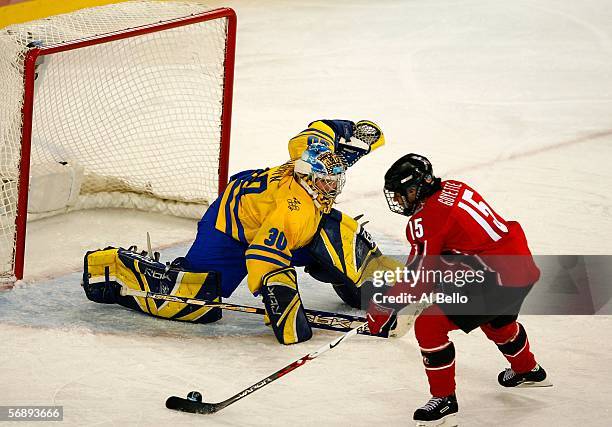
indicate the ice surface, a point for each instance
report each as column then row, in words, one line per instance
column 513, row 97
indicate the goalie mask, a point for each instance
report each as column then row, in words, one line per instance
column 322, row 174
column 408, row 182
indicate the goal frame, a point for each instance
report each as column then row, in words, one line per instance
column 28, row 105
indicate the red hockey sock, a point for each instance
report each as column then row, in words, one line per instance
column 513, row 343
column 431, row 329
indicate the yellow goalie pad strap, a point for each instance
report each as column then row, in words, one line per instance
column 283, row 276
column 288, row 322
column 97, row 261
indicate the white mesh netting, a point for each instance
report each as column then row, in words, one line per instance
column 137, row 121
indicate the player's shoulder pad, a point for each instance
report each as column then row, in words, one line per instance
column 324, row 129
column 317, row 132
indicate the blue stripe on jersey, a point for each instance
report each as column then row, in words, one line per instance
column 247, row 182
column 272, row 251
column 228, row 214
column 266, row 259
column 241, row 235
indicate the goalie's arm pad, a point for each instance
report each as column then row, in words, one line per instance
column 319, row 132
column 284, row 306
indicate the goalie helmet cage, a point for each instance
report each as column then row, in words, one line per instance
column 124, row 105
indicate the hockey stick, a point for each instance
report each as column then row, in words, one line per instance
column 318, row 319
column 199, row 407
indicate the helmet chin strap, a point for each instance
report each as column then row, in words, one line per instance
column 408, row 209
column 311, row 192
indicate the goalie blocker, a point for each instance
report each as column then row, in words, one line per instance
column 107, row 270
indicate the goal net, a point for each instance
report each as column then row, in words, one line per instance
column 125, row 105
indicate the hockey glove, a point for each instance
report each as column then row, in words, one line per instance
column 366, row 136
column 381, row 320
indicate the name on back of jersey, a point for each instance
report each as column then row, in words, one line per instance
column 450, row 191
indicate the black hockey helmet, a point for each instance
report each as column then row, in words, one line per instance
column 409, row 171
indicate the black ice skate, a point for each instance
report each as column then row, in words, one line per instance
column 534, row 378
column 439, row 411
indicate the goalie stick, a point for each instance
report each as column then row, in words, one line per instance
column 197, row 407
column 318, row 319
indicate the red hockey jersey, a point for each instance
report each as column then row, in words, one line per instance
column 457, row 220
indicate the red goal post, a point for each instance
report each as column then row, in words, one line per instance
column 135, row 111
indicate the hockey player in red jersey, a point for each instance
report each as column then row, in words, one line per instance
column 451, row 227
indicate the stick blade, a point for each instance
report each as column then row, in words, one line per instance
column 185, row 405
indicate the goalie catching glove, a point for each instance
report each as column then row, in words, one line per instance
column 354, row 140
column 284, row 306
column 364, row 137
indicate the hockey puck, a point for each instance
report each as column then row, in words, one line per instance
column 195, row 396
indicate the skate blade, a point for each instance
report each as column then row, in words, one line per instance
column 530, row 384
column 448, row 421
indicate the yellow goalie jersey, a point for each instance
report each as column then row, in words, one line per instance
column 271, row 211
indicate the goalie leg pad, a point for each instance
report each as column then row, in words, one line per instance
column 341, row 252
column 98, row 268
column 284, row 306
column 342, row 248
column 106, row 271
